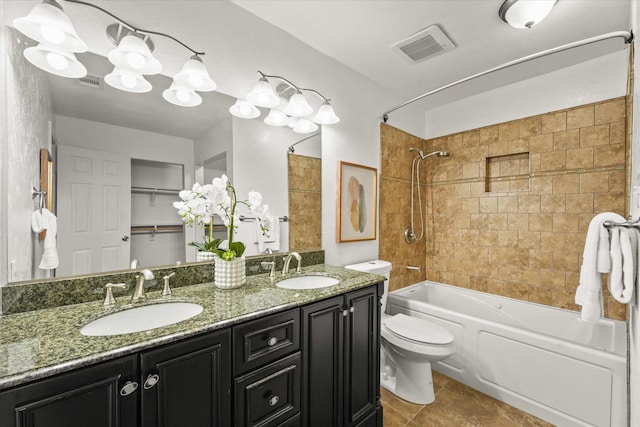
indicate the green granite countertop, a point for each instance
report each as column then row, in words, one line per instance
column 41, row 343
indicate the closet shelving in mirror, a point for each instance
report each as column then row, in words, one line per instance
column 153, row 229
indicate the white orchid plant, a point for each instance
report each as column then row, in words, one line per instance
column 202, row 202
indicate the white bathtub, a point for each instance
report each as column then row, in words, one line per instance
column 541, row 359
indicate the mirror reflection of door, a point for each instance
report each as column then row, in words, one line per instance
column 213, row 167
column 94, row 211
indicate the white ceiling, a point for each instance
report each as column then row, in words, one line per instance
column 357, row 33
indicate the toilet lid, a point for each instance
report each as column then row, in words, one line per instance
column 416, row 329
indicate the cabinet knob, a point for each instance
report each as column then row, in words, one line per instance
column 273, row 400
column 272, row 341
column 152, row 380
column 128, row 388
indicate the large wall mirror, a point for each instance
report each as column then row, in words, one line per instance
column 152, row 149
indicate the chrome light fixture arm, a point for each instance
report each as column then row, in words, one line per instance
column 134, row 28
column 297, row 88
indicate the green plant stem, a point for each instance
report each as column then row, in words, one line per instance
column 211, row 228
column 233, row 211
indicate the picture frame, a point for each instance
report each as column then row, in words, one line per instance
column 357, row 203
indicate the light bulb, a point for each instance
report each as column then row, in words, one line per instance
column 135, row 60
column 183, row 95
column 57, row 61
column 128, row 81
column 51, row 34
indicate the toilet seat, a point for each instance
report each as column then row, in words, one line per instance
column 417, row 330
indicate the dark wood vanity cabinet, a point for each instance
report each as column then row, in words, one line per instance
column 341, row 379
column 93, row 397
column 317, row 365
column 187, row 383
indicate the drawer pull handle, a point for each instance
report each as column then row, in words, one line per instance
column 273, row 400
column 128, row 388
column 272, row 341
column 151, row 381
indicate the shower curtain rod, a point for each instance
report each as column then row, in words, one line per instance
column 291, row 148
column 627, row 35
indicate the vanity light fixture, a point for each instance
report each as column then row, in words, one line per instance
column 295, row 113
column 525, row 13
column 244, row 109
column 51, row 27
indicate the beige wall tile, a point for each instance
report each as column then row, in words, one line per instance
column 554, row 122
column 554, row 203
column 609, row 112
column 542, row 143
column 580, row 158
column 609, row 155
column 580, row 117
column 566, row 184
column 594, row 182
column 566, row 139
column 508, row 131
column 594, row 135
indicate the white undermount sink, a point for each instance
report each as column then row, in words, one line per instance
column 141, row 318
column 312, row 281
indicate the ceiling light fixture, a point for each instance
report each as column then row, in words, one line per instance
column 51, row 27
column 525, row 13
column 295, row 111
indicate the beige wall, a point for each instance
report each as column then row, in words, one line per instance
column 508, row 212
column 305, row 203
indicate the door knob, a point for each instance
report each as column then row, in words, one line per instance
column 125, row 238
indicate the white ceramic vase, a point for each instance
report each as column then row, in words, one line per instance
column 205, row 256
column 229, row 274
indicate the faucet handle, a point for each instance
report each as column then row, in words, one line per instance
column 269, row 264
column 109, row 300
column 166, row 291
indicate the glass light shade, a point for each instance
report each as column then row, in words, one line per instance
column 244, row 109
column 525, row 13
column 127, row 81
column 263, row 94
column 194, row 75
column 182, row 96
column 58, row 62
column 305, row 126
column 133, row 54
column 277, row 118
column 47, row 23
column 326, row 115
column 298, row 106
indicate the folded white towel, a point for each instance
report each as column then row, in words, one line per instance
column 269, row 238
column 589, row 292
column 41, row 220
column 621, row 286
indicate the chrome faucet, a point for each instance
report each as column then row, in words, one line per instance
column 287, row 260
column 139, row 293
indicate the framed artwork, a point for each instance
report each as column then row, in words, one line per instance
column 357, row 202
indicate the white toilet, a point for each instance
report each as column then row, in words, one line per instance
column 409, row 346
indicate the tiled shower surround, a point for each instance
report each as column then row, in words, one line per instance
column 507, row 213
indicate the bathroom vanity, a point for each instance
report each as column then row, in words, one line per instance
column 257, row 356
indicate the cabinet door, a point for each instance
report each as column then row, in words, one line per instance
column 322, row 331
column 362, row 366
column 187, row 383
column 87, row 397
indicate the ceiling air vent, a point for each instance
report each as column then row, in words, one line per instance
column 424, row 44
column 92, row 80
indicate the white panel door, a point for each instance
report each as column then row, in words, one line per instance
column 94, row 210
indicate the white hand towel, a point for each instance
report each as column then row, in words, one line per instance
column 589, row 292
column 621, row 286
column 269, row 238
column 42, row 220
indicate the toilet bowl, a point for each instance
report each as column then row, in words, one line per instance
column 408, row 346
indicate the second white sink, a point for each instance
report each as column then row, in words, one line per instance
column 141, row 318
column 307, row 282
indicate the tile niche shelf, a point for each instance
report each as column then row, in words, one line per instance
column 507, row 173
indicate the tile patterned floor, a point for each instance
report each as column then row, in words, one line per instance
column 456, row 405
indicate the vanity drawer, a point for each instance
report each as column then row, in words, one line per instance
column 269, row 396
column 261, row 341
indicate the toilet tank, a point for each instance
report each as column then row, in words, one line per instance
column 381, row 267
